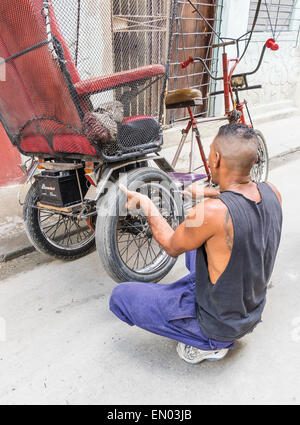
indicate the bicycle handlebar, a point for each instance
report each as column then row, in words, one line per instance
column 191, row 60
column 187, row 62
column 270, row 44
column 215, row 93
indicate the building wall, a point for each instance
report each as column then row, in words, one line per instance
column 10, row 173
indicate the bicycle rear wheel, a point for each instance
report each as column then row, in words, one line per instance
column 54, row 233
column 260, row 170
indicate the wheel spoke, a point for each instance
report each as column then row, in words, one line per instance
column 57, row 225
column 260, row 170
column 64, row 231
column 140, row 250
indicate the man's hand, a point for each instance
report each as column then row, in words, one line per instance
column 161, row 229
column 188, row 235
column 133, row 198
column 199, row 192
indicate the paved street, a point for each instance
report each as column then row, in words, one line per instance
column 63, row 345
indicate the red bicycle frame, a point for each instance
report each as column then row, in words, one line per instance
column 236, row 113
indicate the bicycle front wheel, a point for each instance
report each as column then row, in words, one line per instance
column 260, row 170
column 125, row 243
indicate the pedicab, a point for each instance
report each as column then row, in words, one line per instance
column 84, row 133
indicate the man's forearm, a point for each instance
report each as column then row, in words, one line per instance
column 160, row 228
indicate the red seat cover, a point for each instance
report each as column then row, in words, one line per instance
column 36, row 144
column 68, row 143
column 73, row 143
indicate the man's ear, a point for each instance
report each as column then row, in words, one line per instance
column 217, row 160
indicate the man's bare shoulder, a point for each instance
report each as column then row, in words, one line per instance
column 207, row 211
column 276, row 191
column 214, row 205
column 212, row 210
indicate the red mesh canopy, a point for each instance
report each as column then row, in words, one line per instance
column 34, row 85
column 45, row 96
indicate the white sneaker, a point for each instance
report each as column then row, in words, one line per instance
column 193, row 355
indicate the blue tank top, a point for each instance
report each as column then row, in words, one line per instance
column 233, row 306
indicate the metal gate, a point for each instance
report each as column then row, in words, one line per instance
column 194, row 37
column 140, row 33
column 140, row 37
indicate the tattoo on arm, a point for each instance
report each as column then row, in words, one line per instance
column 228, row 231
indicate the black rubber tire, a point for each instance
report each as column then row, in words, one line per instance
column 36, row 237
column 106, row 227
column 264, row 152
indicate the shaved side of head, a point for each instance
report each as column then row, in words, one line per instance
column 237, row 146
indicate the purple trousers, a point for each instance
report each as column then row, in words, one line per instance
column 166, row 310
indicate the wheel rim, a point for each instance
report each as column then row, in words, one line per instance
column 64, row 232
column 136, row 245
column 259, row 170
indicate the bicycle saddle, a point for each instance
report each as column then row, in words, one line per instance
column 183, row 97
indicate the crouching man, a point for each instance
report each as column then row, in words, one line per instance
column 230, row 241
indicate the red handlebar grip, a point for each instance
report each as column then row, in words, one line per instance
column 187, row 62
column 270, row 44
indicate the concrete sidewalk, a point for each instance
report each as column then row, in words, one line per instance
column 282, row 137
